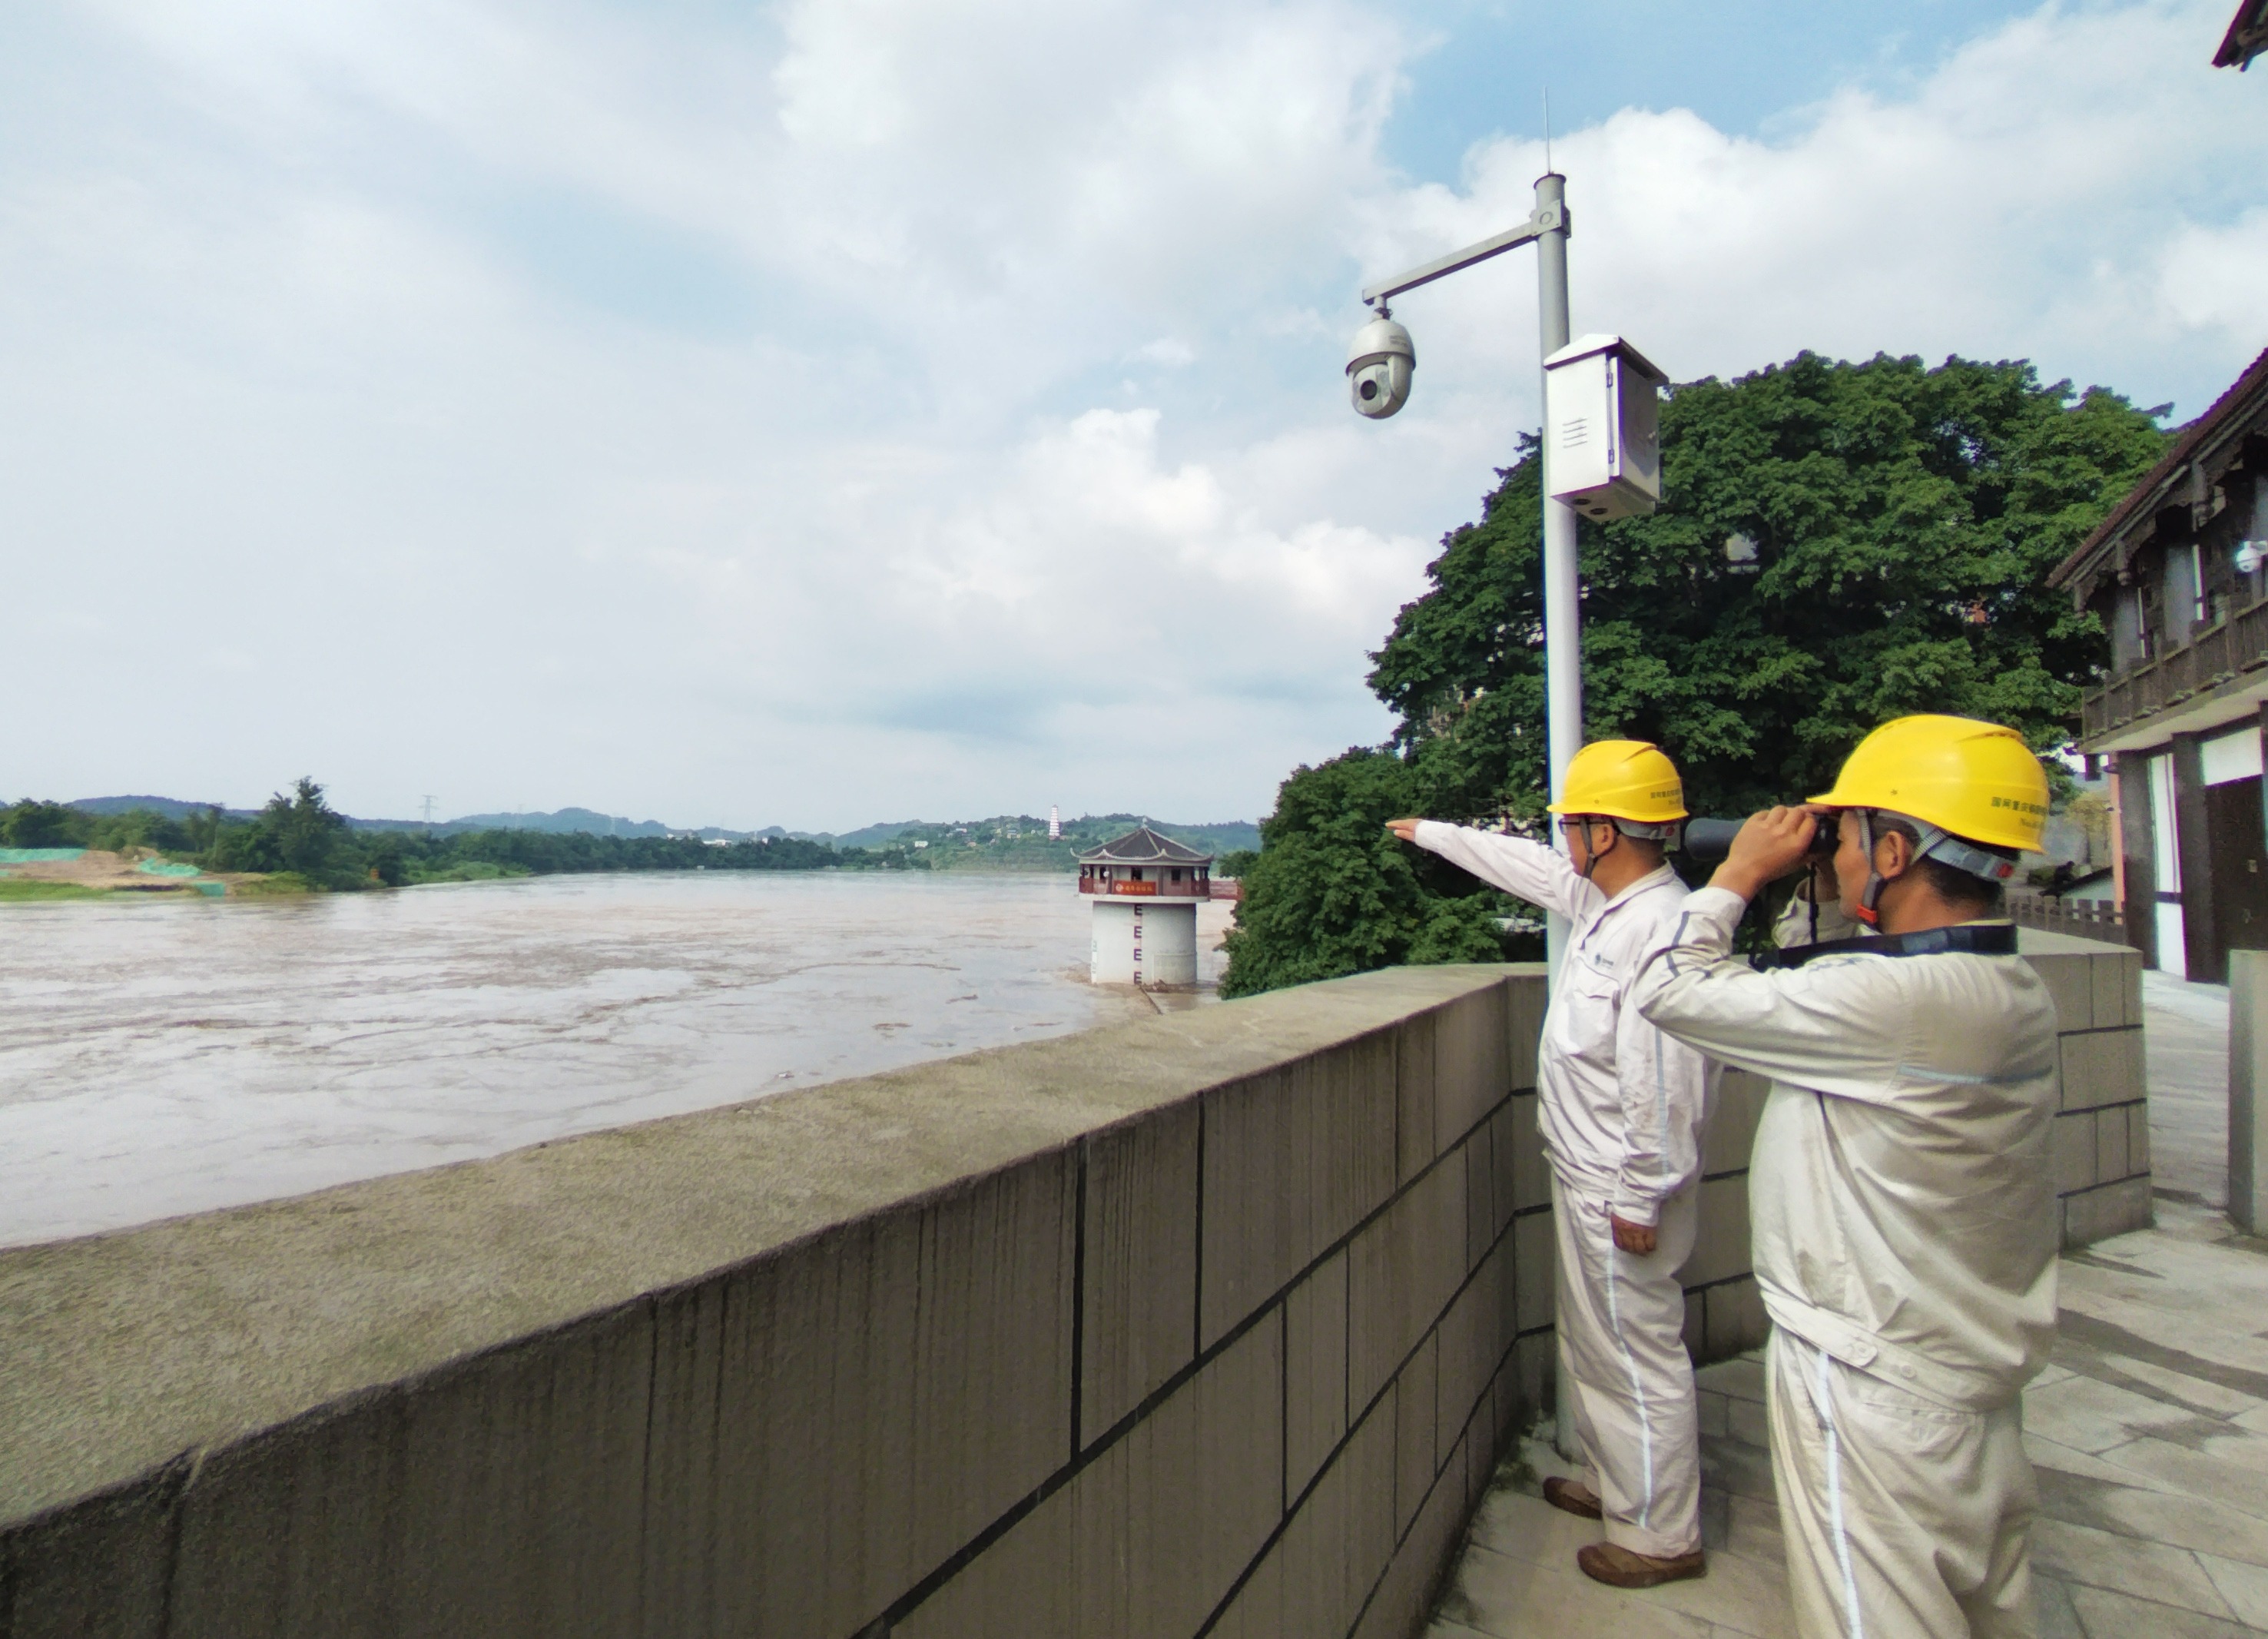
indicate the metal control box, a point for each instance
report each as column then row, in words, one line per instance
column 1602, row 428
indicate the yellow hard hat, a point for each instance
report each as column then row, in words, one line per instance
column 1976, row 781
column 1625, row 779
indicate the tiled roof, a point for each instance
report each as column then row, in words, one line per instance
column 1143, row 846
column 2145, row 496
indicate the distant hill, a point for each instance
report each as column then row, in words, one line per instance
column 1020, row 842
column 583, row 820
column 872, row 836
column 172, row 807
column 1015, row 842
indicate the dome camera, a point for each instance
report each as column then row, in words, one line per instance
column 1377, row 367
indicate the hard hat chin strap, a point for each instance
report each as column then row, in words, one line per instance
column 1931, row 842
column 1665, row 834
column 1591, row 857
column 1875, row 881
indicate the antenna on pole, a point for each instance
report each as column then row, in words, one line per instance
column 1547, row 127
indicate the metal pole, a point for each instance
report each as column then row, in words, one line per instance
column 1563, row 614
column 1563, row 636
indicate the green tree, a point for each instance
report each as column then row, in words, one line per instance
column 1330, row 892
column 1838, row 544
column 136, row 827
column 300, row 833
column 29, row 825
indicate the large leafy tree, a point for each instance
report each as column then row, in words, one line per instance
column 1838, row 544
column 1331, row 892
column 298, row 832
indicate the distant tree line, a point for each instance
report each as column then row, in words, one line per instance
column 299, row 834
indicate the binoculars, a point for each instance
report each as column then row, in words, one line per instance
column 1710, row 840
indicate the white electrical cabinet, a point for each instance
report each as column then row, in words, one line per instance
column 1602, row 427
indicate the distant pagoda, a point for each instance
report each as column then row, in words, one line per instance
column 1145, row 888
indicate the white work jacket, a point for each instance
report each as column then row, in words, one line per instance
column 1900, row 1198
column 1622, row 1105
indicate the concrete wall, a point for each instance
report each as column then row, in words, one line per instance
column 2247, row 1089
column 1213, row 1323
column 1210, row 1323
column 1144, row 941
column 2100, row 1145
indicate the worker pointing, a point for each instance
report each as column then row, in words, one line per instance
column 1900, row 1197
column 1622, row 1107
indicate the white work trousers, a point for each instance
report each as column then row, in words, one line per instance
column 1904, row 1518
column 1623, row 1363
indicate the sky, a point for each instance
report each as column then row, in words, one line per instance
column 841, row 410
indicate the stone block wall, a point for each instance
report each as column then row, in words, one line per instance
column 2100, row 1145
column 1208, row 1324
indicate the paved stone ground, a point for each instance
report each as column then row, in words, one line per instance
column 2149, row 1431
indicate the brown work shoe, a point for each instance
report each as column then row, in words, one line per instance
column 1571, row 1495
column 1619, row 1566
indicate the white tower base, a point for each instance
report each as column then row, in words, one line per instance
column 1144, row 943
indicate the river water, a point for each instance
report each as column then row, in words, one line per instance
column 162, row 1058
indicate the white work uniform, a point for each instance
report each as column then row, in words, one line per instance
column 1621, row 1109
column 1902, row 1215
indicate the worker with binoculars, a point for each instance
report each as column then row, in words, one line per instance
column 1901, row 1207
column 1621, row 1108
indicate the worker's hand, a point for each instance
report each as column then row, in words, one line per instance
column 1768, row 847
column 1639, row 1238
column 1405, row 829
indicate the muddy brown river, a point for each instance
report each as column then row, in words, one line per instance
column 163, row 1058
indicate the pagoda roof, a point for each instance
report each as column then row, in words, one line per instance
column 1143, row 846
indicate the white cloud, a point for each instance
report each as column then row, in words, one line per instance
column 707, row 419
column 1166, row 351
column 2058, row 190
column 2216, row 277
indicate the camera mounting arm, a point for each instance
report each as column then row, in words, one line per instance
column 1379, row 371
column 1545, row 218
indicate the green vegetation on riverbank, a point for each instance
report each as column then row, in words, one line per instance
column 13, row 892
column 298, row 842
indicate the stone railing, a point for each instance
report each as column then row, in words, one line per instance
column 1215, row 1324
column 2103, row 920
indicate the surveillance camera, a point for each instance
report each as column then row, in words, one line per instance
column 1377, row 367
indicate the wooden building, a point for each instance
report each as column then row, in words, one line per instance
column 2178, row 572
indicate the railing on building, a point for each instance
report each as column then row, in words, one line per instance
column 2238, row 643
column 1191, row 886
column 2083, row 919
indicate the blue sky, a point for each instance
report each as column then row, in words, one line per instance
column 1746, row 70
column 828, row 411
